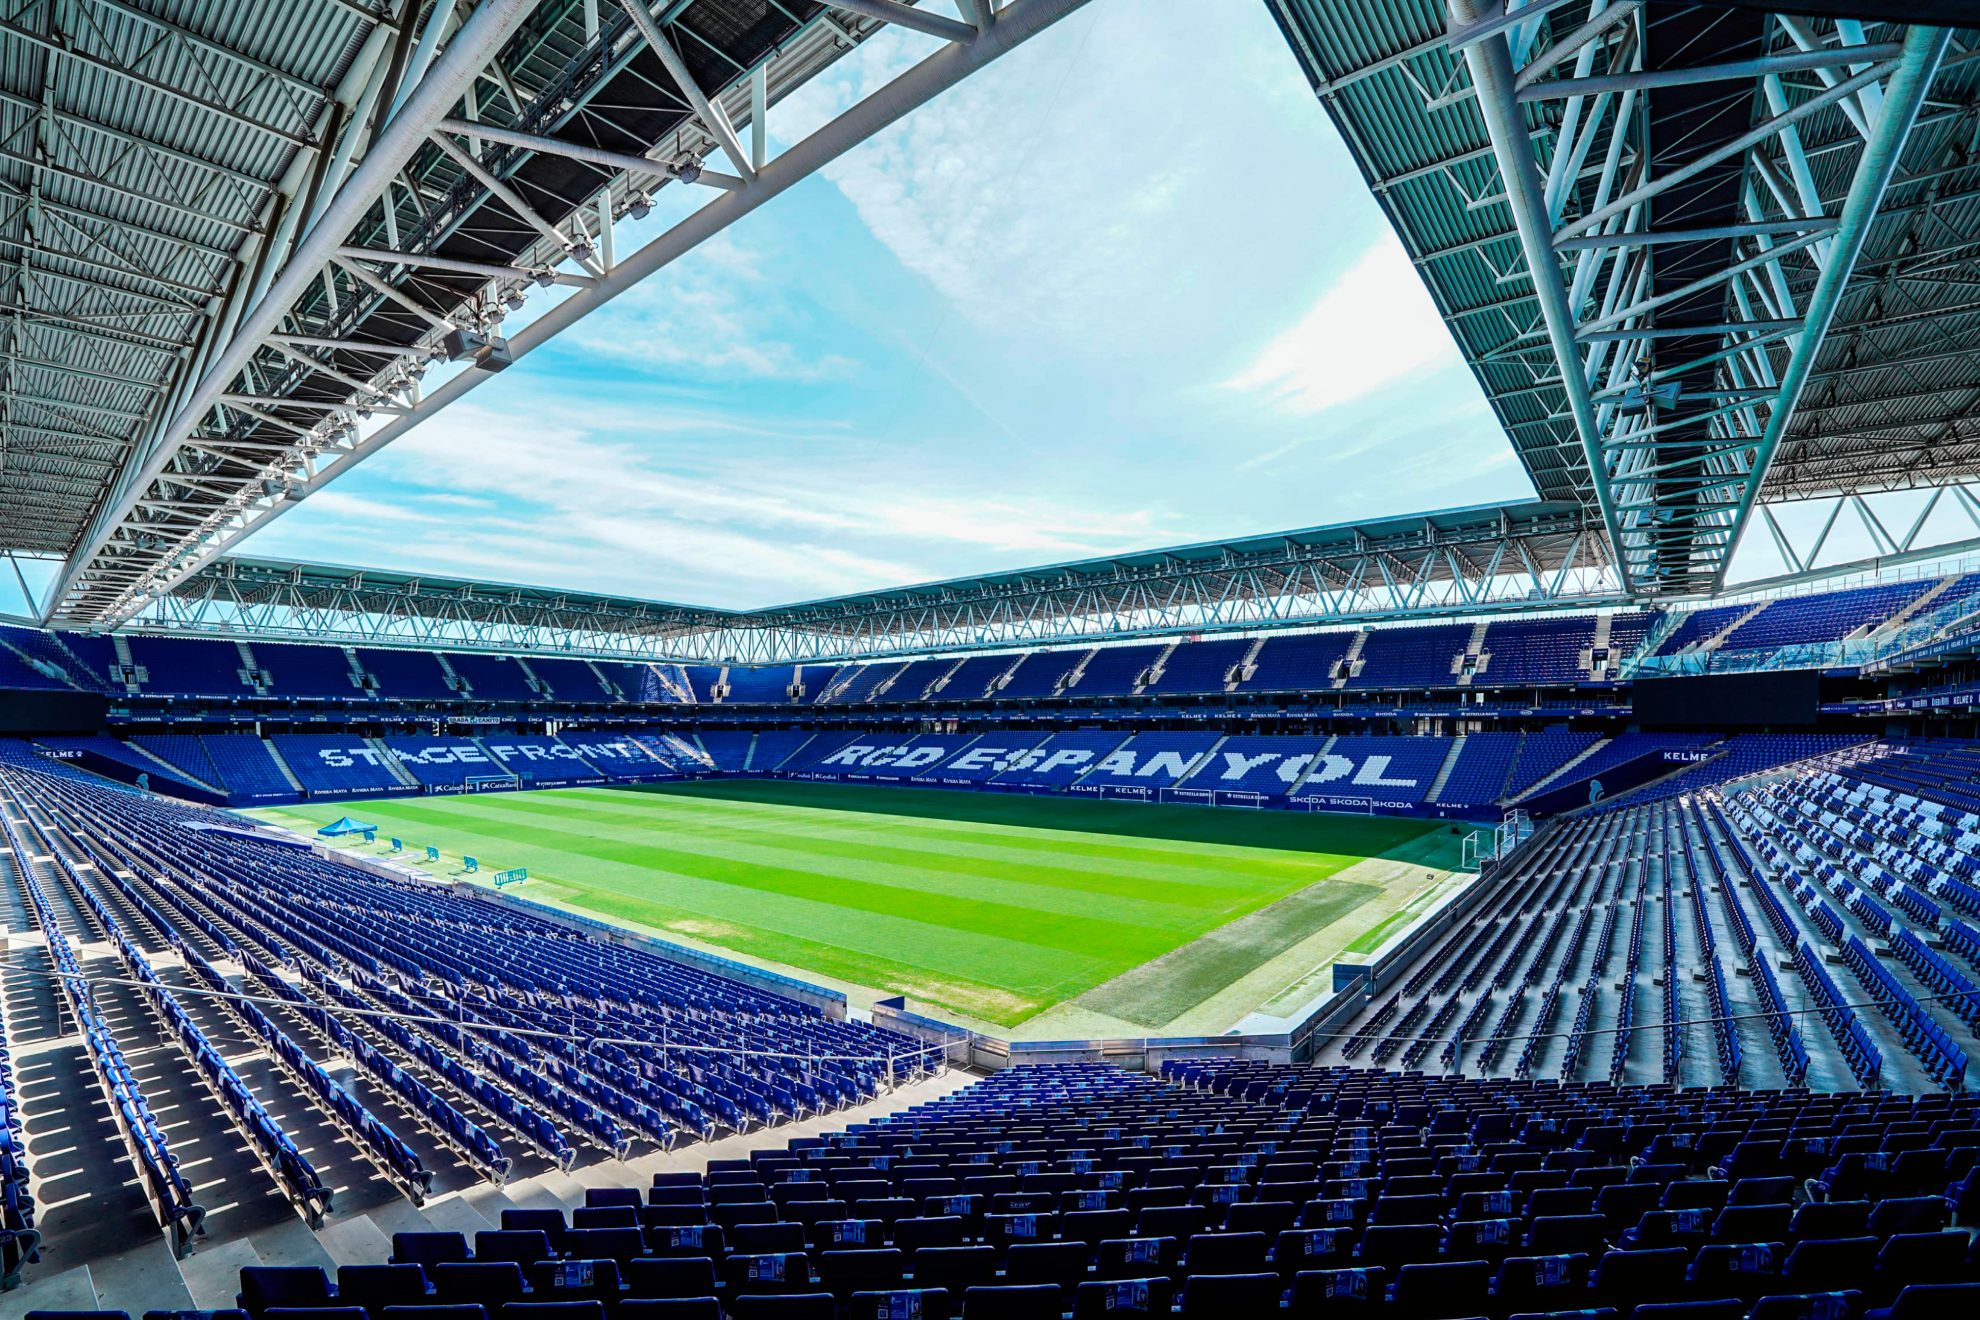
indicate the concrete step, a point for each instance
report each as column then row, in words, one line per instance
column 354, row 1241
column 149, row 1271
column 70, row 1290
column 212, row 1274
column 452, row 1214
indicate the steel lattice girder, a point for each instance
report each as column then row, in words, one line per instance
column 1735, row 212
column 478, row 161
column 1485, row 560
column 140, row 147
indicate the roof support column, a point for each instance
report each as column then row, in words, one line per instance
column 1904, row 95
column 1490, row 62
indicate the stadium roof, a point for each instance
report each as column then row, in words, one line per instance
column 1771, row 220
column 1489, row 558
column 237, row 237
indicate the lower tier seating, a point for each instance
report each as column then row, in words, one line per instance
column 1229, row 1189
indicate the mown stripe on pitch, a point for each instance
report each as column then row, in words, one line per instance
column 1106, row 850
column 950, row 874
column 872, row 944
column 846, row 890
column 1358, row 835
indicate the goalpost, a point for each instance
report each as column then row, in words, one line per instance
column 506, row 781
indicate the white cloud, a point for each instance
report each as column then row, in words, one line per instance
column 541, row 493
column 1044, row 194
column 712, row 313
column 1373, row 327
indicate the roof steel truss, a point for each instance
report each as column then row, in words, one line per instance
column 471, row 164
column 1672, row 287
column 1492, row 559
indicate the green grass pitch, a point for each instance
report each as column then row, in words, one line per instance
column 991, row 905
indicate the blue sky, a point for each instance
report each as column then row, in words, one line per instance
column 1123, row 289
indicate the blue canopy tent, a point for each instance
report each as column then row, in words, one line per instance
column 338, row 828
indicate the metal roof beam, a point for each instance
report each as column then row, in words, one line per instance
column 620, row 161
column 73, row 119
column 60, row 47
column 487, row 270
column 105, row 268
column 200, row 41
column 711, row 114
column 1924, row 47
column 1644, row 79
column 165, row 306
column 1016, row 23
column 1489, row 59
column 900, row 15
column 167, row 204
column 125, row 338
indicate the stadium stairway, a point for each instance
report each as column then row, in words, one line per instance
column 1920, row 604
column 275, row 755
column 1564, row 772
column 1718, row 639
column 172, row 770
column 1444, row 770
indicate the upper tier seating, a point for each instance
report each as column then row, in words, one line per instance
column 1038, row 674
column 856, row 684
column 816, row 679
column 1410, row 657
column 1297, row 662
column 492, row 677
column 307, row 671
column 1700, row 626
column 972, row 678
column 1115, row 670
column 1519, row 652
column 636, row 682
column 1200, row 666
column 569, row 680
column 698, row 681
column 407, row 675
column 189, row 667
column 913, row 682
column 1535, row 651
column 769, row 686
column 1827, row 617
